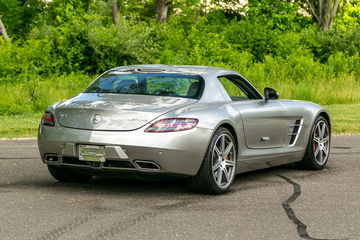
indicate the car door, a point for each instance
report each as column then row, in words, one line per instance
column 264, row 122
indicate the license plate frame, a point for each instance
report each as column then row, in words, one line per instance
column 91, row 153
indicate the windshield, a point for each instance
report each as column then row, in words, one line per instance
column 161, row 84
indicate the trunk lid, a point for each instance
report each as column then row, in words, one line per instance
column 115, row 112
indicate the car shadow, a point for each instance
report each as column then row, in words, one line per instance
column 116, row 186
column 176, row 187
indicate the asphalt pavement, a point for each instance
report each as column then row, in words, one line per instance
column 277, row 203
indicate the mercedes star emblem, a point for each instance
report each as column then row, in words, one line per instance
column 95, row 119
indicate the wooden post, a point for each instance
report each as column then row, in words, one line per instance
column 3, row 30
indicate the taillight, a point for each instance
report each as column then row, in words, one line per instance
column 172, row 125
column 48, row 119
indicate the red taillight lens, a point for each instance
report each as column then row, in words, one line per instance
column 48, row 119
column 172, row 125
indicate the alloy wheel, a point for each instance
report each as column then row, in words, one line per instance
column 321, row 142
column 223, row 161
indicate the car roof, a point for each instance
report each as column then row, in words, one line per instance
column 188, row 69
column 212, row 92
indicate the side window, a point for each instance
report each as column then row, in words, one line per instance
column 234, row 91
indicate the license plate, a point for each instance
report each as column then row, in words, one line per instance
column 92, row 153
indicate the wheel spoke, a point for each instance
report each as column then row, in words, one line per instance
column 321, row 156
column 220, row 173
column 217, row 165
column 318, row 130
column 325, row 140
column 217, row 151
column 325, row 152
column 229, row 163
column 317, row 139
column 323, row 128
column 317, row 150
column 227, row 150
column 226, row 174
column 222, row 144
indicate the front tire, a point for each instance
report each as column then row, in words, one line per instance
column 318, row 148
column 67, row 175
column 217, row 171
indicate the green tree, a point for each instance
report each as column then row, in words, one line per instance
column 3, row 30
column 115, row 8
column 349, row 15
column 20, row 16
column 323, row 12
column 162, row 10
column 277, row 14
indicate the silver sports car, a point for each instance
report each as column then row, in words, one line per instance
column 203, row 123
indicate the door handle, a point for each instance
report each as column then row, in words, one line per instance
column 264, row 139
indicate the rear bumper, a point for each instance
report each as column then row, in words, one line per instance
column 178, row 153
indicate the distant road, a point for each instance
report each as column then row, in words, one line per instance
column 278, row 203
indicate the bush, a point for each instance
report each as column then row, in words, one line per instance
column 325, row 44
column 35, row 93
column 23, row 58
column 61, row 57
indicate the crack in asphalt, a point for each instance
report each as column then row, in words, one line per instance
column 301, row 227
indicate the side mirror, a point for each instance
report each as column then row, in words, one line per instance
column 270, row 94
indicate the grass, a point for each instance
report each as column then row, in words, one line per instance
column 20, row 126
column 345, row 118
column 345, row 121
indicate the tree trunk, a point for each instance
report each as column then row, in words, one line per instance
column 325, row 18
column 162, row 10
column 327, row 12
column 323, row 11
column 115, row 11
column 334, row 13
column 3, row 30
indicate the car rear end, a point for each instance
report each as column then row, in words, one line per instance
column 121, row 124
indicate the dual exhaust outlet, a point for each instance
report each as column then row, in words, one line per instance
column 142, row 165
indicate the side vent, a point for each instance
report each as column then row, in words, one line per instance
column 295, row 130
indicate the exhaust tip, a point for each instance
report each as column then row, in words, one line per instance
column 51, row 158
column 144, row 165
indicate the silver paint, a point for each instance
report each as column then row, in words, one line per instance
column 125, row 117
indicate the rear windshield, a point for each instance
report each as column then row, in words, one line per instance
column 161, row 84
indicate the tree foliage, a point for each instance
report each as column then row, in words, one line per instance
column 276, row 43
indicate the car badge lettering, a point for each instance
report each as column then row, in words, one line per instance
column 95, row 119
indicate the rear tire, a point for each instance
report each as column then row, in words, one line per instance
column 217, row 171
column 318, row 148
column 67, row 175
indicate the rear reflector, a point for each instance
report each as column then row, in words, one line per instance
column 48, row 119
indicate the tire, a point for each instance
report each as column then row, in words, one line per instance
column 318, row 148
column 217, row 171
column 67, row 175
